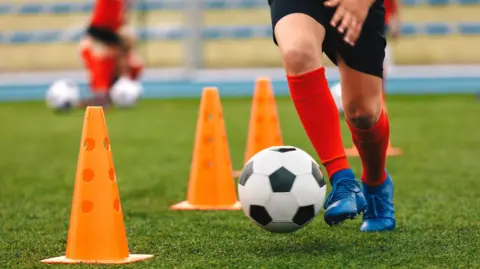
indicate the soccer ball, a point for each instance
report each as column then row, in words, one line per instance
column 63, row 95
column 126, row 92
column 281, row 189
column 336, row 91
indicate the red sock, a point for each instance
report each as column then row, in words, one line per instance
column 135, row 66
column 319, row 116
column 101, row 70
column 103, row 73
column 372, row 146
column 87, row 56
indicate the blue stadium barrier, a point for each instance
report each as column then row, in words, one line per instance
column 150, row 5
column 189, row 89
column 221, row 32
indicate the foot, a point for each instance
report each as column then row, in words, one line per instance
column 346, row 199
column 380, row 214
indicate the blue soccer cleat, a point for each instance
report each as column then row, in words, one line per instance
column 346, row 199
column 380, row 214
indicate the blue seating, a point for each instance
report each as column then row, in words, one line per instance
column 210, row 33
column 469, row 2
column 469, row 28
column 408, row 29
column 47, row 36
column 85, row 8
column 62, row 8
column 149, row 5
column 5, row 9
column 20, row 37
column 438, row 2
column 220, row 32
column 74, row 36
column 438, row 29
column 410, row 2
column 32, row 8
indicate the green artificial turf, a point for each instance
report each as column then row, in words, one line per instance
column 437, row 189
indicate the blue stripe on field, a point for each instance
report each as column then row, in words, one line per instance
column 181, row 89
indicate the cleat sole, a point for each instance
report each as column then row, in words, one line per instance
column 335, row 220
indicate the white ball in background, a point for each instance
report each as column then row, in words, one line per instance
column 336, row 91
column 126, row 92
column 63, row 95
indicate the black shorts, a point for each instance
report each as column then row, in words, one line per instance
column 104, row 35
column 369, row 52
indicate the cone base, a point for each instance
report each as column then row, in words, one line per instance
column 131, row 258
column 390, row 151
column 185, row 205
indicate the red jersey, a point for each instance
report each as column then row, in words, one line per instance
column 108, row 14
column 390, row 9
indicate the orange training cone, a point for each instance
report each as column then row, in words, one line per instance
column 264, row 129
column 96, row 233
column 211, row 185
column 391, row 151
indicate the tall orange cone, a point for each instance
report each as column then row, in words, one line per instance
column 264, row 128
column 391, row 151
column 211, row 185
column 96, row 233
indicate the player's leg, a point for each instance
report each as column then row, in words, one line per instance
column 363, row 108
column 361, row 70
column 300, row 36
column 135, row 66
column 100, row 62
column 133, row 63
column 101, row 49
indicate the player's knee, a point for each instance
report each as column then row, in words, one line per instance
column 299, row 60
column 301, row 50
column 361, row 119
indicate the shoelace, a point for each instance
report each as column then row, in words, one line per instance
column 343, row 189
column 377, row 204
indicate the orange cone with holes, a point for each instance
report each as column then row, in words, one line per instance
column 211, row 185
column 264, row 128
column 96, row 233
column 391, row 151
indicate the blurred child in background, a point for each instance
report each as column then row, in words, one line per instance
column 108, row 50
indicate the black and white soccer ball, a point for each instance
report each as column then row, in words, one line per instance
column 62, row 95
column 281, row 189
column 126, row 92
